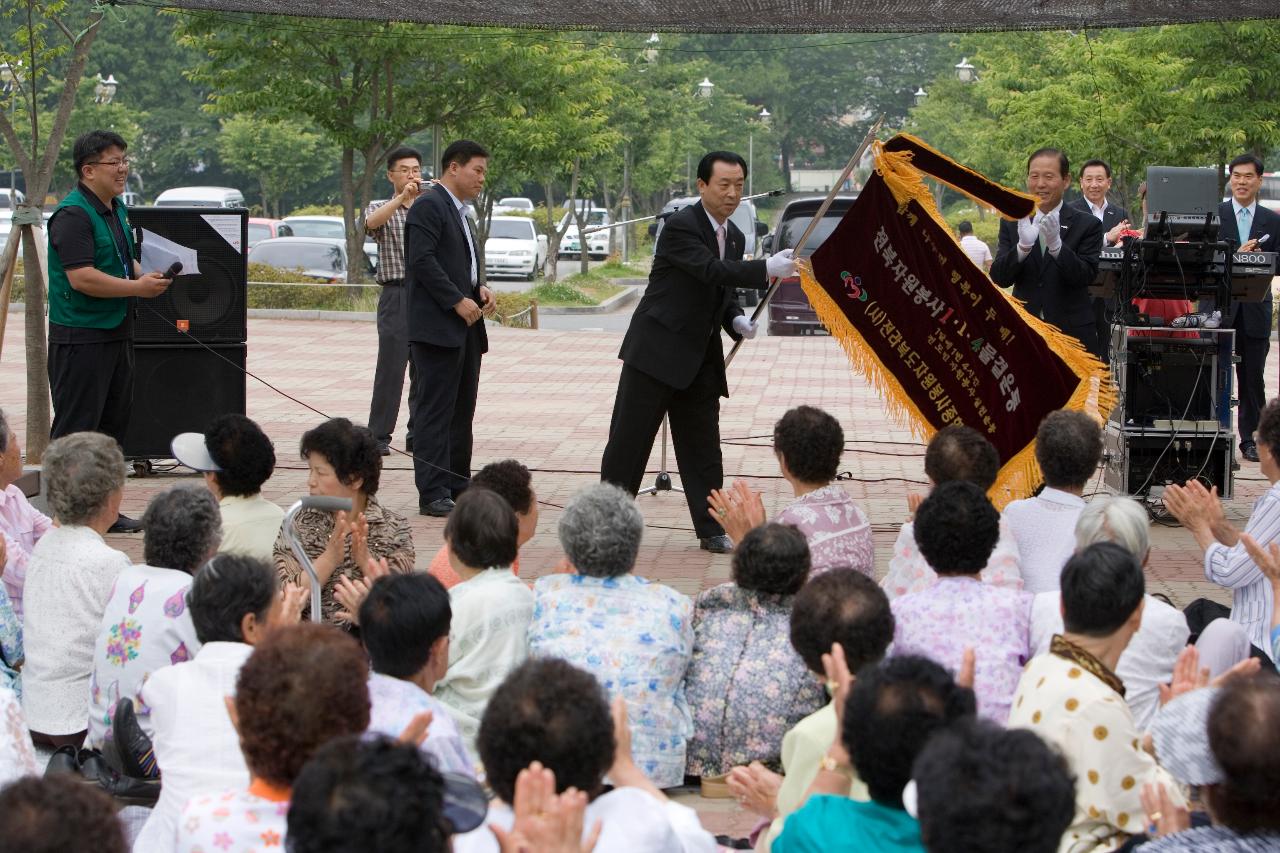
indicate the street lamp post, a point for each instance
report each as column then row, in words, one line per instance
column 763, row 116
column 965, row 72
column 919, row 95
column 105, row 90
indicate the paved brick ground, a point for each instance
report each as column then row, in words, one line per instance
column 545, row 399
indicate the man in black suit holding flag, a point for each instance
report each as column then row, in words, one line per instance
column 673, row 360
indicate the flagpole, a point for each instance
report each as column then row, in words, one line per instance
column 826, row 204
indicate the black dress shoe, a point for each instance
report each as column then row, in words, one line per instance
column 384, row 449
column 63, row 761
column 137, row 758
column 125, row 524
column 1249, row 451
column 716, row 544
column 438, row 508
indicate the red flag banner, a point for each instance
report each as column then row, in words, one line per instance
column 931, row 331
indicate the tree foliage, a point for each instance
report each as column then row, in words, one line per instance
column 273, row 154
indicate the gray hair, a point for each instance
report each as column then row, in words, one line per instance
column 1120, row 520
column 82, row 471
column 183, row 528
column 600, row 531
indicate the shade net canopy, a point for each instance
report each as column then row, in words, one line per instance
column 765, row 16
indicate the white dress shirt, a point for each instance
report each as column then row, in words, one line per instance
column 69, row 579
column 978, row 251
column 462, row 215
column 1045, row 529
column 631, row 822
column 1148, row 660
column 1099, row 211
column 196, row 746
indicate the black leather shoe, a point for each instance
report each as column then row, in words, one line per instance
column 384, row 449
column 137, row 758
column 716, row 544
column 1249, row 451
column 92, row 765
column 125, row 524
column 438, row 508
column 63, row 762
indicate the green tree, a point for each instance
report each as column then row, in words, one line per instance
column 43, row 41
column 365, row 85
column 273, row 154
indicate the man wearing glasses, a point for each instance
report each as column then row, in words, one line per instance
column 384, row 222
column 92, row 276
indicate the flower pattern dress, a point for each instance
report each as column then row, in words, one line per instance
column 11, row 653
column 233, row 822
column 746, row 686
column 636, row 637
column 146, row 626
column 909, row 571
column 836, row 528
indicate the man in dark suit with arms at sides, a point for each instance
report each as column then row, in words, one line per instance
column 1095, row 183
column 1246, row 223
column 1051, row 257
column 444, row 274
column 673, row 360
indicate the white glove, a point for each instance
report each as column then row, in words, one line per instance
column 781, row 265
column 745, row 327
column 1052, row 234
column 1027, row 234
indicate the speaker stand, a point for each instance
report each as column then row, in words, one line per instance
column 663, row 481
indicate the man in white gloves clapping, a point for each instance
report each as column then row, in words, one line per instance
column 1051, row 257
column 673, row 360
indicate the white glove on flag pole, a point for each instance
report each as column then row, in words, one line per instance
column 781, row 265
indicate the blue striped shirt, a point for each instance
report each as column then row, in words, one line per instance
column 1252, row 598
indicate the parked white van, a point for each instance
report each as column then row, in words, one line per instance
column 200, row 197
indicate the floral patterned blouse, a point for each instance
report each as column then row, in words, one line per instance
column 11, row 653
column 252, row 821
column 636, row 637
column 910, row 572
column 388, row 537
column 838, row 531
column 746, row 686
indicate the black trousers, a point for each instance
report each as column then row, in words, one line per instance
column 1251, row 390
column 638, row 410
column 443, row 406
column 92, row 388
column 393, row 357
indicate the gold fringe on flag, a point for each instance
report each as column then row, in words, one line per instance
column 1095, row 393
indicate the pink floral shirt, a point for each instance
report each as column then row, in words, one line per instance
column 963, row 612
column 233, row 822
column 837, row 530
column 909, row 572
column 22, row 526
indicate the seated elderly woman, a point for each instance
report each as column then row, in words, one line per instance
column 635, row 635
column 746, row 685
column 302, row 686
column 59, row 813
column 146, row 624
column 343, row 461
column 1148, row 660
column 956, row 528
column 892, row 710
column 233, row 602
column 236, row 458
column 21, row 524
column 512, row 481
column 954, row 453
column 1068, row 449
column 808, row 443
column 491, row 607
column 551, row 712
column 69, row 580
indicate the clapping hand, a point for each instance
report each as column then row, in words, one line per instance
column 360, row 540
column 1051, row 232
column 1188, row 675
column 738, row 509
column 756, row 788
column 293, row 597
column 1163, row 817
column 1028, row 233
column 350, row 594
column 543, row 821
column 1193, row 505
column 839, row 682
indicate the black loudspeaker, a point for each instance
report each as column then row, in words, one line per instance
column 211, row 305
column 181, row 389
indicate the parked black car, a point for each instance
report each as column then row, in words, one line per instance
column 789, row 311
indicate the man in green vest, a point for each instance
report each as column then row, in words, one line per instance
column 92, row 275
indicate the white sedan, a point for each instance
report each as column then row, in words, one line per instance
column 514, row 248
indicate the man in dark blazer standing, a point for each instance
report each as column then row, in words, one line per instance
column 1051, row 257
column 1253, row 228
column 672, row 357
column 1095, row 183
column 447, row 300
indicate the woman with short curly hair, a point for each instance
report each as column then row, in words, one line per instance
column 69, row 579
column 746, row 685
column 808, row 443
column 146, row 624
column 344, row 461
column 303, row 686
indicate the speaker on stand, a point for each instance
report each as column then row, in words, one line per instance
column 190, row 346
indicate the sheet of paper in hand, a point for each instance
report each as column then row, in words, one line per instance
column 931, row 331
